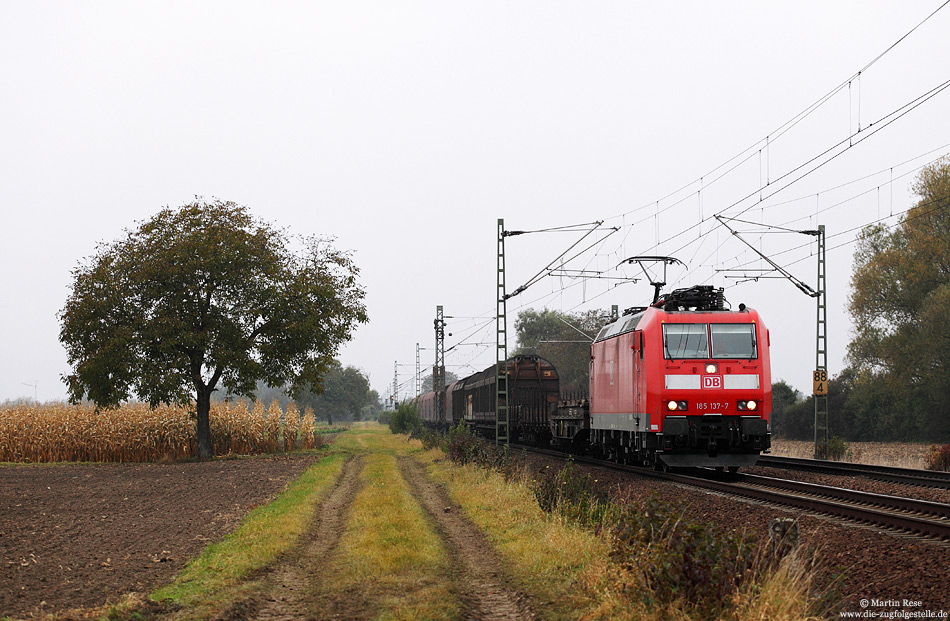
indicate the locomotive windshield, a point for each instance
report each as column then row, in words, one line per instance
column 685, row 340
column 733, row 340
column 700, row 340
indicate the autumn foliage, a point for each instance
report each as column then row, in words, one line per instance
column 939, row 458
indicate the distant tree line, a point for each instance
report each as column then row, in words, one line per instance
column 897, row 381
column 344, row 395
column 563, row 339
column 427, row 380
column 859, row 409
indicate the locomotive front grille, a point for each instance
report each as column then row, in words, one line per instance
column 722, row 432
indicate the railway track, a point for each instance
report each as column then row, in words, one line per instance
column 908, row 476
column 890, row 513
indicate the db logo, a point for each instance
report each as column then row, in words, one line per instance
column 712, row 381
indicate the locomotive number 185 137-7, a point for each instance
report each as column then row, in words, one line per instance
column 710, row 406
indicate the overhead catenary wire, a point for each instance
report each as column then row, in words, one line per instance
column 864, row 226
column 766, row 190
column 880, row 124
column 750, row 151
column 822, row 210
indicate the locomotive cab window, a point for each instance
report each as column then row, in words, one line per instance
column 685, row 340
column 733, row 340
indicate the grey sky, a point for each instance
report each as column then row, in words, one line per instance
column 407, row 129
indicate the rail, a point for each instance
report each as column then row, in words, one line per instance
column 910, row 476
column 920, row 517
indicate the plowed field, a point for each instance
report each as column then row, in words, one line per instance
column 77, row 535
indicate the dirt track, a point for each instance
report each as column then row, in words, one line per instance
column 478, row 579
column 292, row 586
column 79, row 535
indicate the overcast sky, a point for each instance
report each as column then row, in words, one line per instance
column 406, row 129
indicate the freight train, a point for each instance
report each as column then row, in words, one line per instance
column 683, row 382
column 533, row 392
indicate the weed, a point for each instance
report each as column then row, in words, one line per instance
column 837, row 450
column 572, row 495
column 939, row 458
column 680, row 560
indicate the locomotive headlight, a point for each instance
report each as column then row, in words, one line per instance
column 712, row 368
column 672, row 405
column 751, row 405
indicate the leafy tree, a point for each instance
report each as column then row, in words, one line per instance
column 783, row 397
column 900, row 293
column 343, row 394
column 427, row 380
column 373, row 407
column 563, row 339
column 206, row 295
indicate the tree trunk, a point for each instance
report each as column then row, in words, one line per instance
column 329, row 418
column 204, row 424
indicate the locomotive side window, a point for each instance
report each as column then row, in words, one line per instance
column 733, row 340
column 685, row 340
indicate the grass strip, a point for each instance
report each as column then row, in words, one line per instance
column 547, row 557
column 266, row 533
column 389, row 552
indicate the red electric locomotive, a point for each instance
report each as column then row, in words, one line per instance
column 684, row 382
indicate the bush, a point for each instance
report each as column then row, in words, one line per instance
column 405, row 419
column 464, row 447
column 662, row 558
column 939, row 458
column 680, row 560
column 430, row 439
column 572, row 495
column 838, row 449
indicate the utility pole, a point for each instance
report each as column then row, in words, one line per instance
column 820, row 379
column 820, row 375
column 438, row 371
column 395, row 382
column 501, row 344
column 502, row 411
column 418, row 374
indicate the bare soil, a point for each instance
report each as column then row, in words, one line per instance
column 477, row 575
column 293, row 586
column 899, row 454
column 82, row 535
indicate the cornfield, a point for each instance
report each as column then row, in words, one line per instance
column 138, row 433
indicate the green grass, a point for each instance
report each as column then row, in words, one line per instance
column 389, row 551
column 546, row 557
column 266, row 533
